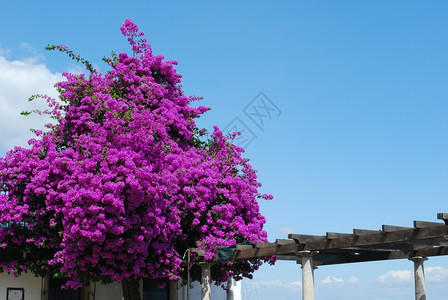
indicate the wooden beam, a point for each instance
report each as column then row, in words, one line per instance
column 284, row 242
column 363, row 231
column 432, row 251
column 304, row 238
column 334, row 235
column 242, row 247
column 263, row 245
column 391, row 228
column 267, row 250
column 363, row 257
column 380, row 238
column 288, row 257
column 443, row 216
column 424, row 224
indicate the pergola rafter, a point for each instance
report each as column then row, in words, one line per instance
column 424, row 239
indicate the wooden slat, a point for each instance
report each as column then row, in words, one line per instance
column 363, row 257
column 263, row 245
column 424, row 224
column 385, row 247
column 442, row 216
column 432, row 251
column 273, row 249
column 401, row 236
column 363, row 231
column 391, row 228
column 334, row 235
column 288, row 257
column 284, row 242
column 304, row 238
column 242, row 247
column 392, row 242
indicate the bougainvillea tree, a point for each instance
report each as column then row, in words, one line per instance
column 124, row 182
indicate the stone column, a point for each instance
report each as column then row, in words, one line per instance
column 307, row 275
column 44, row 287
column 91, row 290
column 205, row 281
column 419, row 277
column 174, row 290
column 234, row 291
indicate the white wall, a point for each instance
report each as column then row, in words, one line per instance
column 29, row 282
column 32, row 286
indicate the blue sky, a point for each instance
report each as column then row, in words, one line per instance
column 358, row 135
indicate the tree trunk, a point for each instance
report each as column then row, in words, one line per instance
column 131, row 289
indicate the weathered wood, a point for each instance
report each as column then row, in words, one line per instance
column 242, row 247
column 304, row 238
column 392, row 242
column 391, row 228
column 442, row 216
column 380, row 238
column 362, row 257
column 271, row 250
column 262, row 245
column 383, row 247
column 284, row 242
column 288, row 257
column 432, row 251
column 357, row 231
column 334, row 235
column 424, row 224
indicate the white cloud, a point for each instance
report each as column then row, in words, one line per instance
column 287, row 230
column 19, row 80
column 397, row 276
column 353, row 279
column 292, row 285
column 4, row 52
column 332, row 280
column 436, row 274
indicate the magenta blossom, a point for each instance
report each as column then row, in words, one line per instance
column 124, row 182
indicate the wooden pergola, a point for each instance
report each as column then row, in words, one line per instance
column 424, row 239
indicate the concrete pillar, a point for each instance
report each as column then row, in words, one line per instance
column 307, row 275
column 205, row 281
column 419, row 277
column 44, row 287
column 234, row 291
column 174, row 290
column 89, row 291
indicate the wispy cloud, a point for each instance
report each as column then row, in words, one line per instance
column 396, row 276
column 19, row 79
column 286, row 230
column 394, row 284
column 331, row 280
column 436, row 274
column 291, row 285
column 353, row 279
column 4, row 51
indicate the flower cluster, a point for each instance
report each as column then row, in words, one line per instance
column 125, row 182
